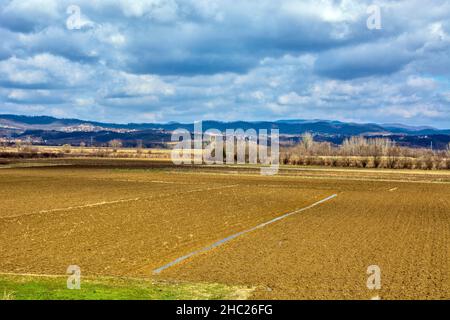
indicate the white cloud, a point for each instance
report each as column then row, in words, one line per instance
column 326, row 10
column 159, row 10
column 140, row 85
column 418, row 110
column 293, row 98
column 44, row 70
column 36, row 9
column 421, row 82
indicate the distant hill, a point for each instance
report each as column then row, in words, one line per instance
column 56, row 131
column 285, row 126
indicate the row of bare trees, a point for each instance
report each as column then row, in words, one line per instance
column 364, row 152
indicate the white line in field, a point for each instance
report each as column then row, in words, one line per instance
column 326, row 177
column 33, row 275
column 393, row 189
column 91, row 205
column 220, row 242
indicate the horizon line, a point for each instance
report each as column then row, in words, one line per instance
column 230, row 121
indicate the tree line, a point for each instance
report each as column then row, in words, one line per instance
column 364, row 152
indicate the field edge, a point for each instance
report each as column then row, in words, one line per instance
column 54, row 287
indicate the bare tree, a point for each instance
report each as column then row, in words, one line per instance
column 25, row 146
column 307, row 142
column 139, row 146
column 355, row 146
column 115, row 144
column 323, row 148
column 82, row 146
column 365, row 153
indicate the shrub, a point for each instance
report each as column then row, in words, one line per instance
column 67, row 148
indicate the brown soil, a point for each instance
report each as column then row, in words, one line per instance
column 111, row 220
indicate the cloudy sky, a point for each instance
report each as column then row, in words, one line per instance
column 185, row 60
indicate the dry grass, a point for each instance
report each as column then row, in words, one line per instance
column 7, row 295
column 82, row 152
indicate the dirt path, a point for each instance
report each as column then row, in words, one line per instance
column 241, row 233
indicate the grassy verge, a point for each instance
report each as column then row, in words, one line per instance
column 14, row 287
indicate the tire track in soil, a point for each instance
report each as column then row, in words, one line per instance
column 241, row 233
column 103, row 203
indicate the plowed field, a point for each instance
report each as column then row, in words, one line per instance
column 127, row 219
